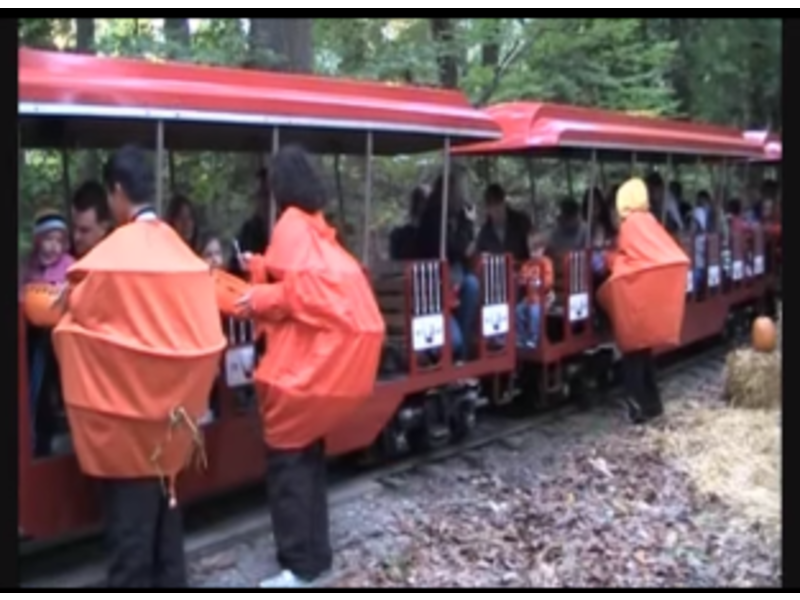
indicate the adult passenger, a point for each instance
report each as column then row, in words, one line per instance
column 403, row 239
column 603, row 231
column 253, row 235
column 644, row 296
column 570, row 232
column 505, row 230
column 325, row 338
column 139, row 348
column 768, row 209
column 659, row 196
column 182, row 217
column 459, row 250
column 91, row 217
column 736, row 220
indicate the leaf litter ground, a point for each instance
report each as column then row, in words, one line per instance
column 691, row 501
column 587, row 501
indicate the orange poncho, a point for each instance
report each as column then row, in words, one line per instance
column 324, row 332
column 646, row 293
column 139, row 349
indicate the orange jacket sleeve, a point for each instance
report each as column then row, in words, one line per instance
column 257, row 269
column 268, row 301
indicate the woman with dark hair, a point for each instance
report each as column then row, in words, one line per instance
column 182, row 217
column 325, row 338
column 603, row 229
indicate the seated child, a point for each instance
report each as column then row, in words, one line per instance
column 49, row 259
column 536, row 278
column 47, row 263
column 211, row 250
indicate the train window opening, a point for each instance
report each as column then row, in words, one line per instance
column 407, row 276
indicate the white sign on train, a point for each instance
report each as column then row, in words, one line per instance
column 427, row 332
column 495, row 319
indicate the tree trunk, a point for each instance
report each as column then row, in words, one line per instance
column 680, row 31
column 443, row 34
column 178, row 36
column 281, row 45
column 84, row 36
column 278, row 45
column 490, row 53
column 89, row 162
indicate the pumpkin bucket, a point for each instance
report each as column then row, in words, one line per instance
column 764, row 335
column 38, row 304
column 229, row 289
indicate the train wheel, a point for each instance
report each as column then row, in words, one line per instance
column 528, row 398
column 434, row 429
column 394, row 442
column 464, row 420
column 560, row 394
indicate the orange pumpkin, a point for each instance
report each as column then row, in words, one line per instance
column 38, row 303
column 229, row 290
column 764, row 334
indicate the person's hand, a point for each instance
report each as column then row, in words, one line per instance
column 245, row 258
column 244, row 305
column 62, row 298
column 470, row 212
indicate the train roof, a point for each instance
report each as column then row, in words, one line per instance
column 70, row 100
column 771, row 143
column 561, row 130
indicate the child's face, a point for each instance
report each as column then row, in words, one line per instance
column 212, row 254
column 51, row 247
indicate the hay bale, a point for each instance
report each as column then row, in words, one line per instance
column 753, row 379
column 732, row 454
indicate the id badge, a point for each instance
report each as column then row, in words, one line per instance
column 240, row 357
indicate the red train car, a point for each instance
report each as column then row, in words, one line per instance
column 72, row 101
column 732, row 273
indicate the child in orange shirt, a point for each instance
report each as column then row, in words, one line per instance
column 536, row 278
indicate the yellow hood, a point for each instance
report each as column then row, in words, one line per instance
column 632, row 197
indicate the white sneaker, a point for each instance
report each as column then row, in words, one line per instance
column 285, row 579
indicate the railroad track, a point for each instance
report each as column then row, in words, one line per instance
column 215, row 525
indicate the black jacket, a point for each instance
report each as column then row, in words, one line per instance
column 460, row 234
column 518, row 226
column 403, row 242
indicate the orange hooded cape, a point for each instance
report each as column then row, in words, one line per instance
column 139, row 348
column 324, row 332
column 645, row 294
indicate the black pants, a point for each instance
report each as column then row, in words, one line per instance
column 639, row 371
column 298, row 505
column 144, row 535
